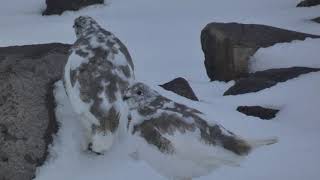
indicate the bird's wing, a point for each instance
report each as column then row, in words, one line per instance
column 188, row 139
column 123, row 49
column 72, row 86
column 211, row 132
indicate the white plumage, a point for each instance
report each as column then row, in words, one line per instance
column 176, row 140
column 98, row 71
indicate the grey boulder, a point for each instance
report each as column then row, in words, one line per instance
column 59, row 6
column 317, row 19
column 265, row 79
column 228, row 46
column 308, row 3
column 181, row 87
column 27, row 117
column 258, row 111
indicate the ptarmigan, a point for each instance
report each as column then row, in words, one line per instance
column 176, row 140
column 96, row 75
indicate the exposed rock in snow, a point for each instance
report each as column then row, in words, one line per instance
column 308, row 3
column 59, row 6
column 317, row 19
column 229, row 46
column 258, row 111
column 181, row 87
column 264, row 79
column 27, row 117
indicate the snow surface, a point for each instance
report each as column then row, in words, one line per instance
column 163, row 38
column 301, row 53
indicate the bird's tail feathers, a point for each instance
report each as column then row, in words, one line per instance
column 262, row 142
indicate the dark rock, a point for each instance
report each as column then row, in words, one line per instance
column 59, row 6
column 308, row 3
column 27, row 119
column 181, row 87
column 258, row 111
column 316, row 19
column 250, row 84
column 283, row 74
column 228, row 46
column 264, row 79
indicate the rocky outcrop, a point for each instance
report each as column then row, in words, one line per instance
column 264, row 79
column 258, row 111
column 308, row 3
column 27, row 118
column 59, row 6
column 181, row 87
column 316, row 19
column 228, row 46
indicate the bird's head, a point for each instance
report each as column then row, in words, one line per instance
column 139, row 95
column 83, row 25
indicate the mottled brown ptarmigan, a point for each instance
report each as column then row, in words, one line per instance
column 98, row 71
column 176, row 140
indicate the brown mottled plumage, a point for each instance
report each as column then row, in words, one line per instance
column 98, row 71
column 181, row 133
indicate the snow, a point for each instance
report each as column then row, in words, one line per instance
column 163, row 38
column 302, row 53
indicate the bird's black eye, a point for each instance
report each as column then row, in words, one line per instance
column 76, row 25
column 139, row 93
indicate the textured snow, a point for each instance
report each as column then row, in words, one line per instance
column 284, row 55
column 163, row 38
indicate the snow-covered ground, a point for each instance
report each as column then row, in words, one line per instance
column 284, row 55
column 163, row 38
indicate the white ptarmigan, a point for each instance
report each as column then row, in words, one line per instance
column 176, row 140
column 98, row 71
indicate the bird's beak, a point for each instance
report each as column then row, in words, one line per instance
column 75, row 25
column 125, row 98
